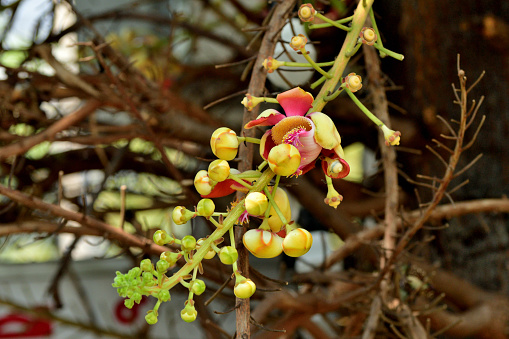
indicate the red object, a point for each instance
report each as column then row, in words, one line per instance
column 24, row 326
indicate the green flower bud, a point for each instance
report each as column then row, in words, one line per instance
column 129, row 303
column 146, row 265
column 188, row 314
column 228, row 255
column 181, row 215
column 134, row 272
column 188, row 243
column 256, row 203
column 205, row 207
column 284, row 159
column 136, row 297
column 197, row 286
column 151, row 317
column 161, row 237
column 164, row 295
column 219, row 170
column 162, row 266
column 297, row 242
column 245, row 289
column 170, row 257
column 224, row 143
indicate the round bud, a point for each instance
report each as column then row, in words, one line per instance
column 197, row 286
column 284, row 159
column 224, row 143
column 205, row 207
column 146, row 265
column 170, row 257
column 228, row 255
column 245, row 289
column 181, row 215
column 162, row 266
column 151, row 317
column 297, row 242
column 188, row 243
column 188, row 314
column 263, row 244
column 219, row 170
column 161, row 237
column 256, row 203
column 203, row 183
column 164, row 295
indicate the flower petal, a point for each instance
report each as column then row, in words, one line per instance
column 295, row 101
column 326, row 134
column 308, row 148
column 269, row 117
column 266, row 144
column 224, row 188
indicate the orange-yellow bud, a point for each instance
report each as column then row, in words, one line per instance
column 256, row 203
column 306, row 12
column 203, row 183
column 368, row 36
column 244, row 289
column 224, row 143
column 219, row 170
column 284, row 159
column 263, row 244
column 297, row 242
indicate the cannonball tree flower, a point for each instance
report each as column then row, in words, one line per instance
column 298, row 242
column 308, row 133
column 224, row 143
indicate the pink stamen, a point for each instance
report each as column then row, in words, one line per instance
column 292, row 137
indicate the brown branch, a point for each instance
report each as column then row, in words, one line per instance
column 255, row 88
column 26, row 143
column 114, row 233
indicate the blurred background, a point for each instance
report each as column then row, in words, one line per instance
column 152, row 80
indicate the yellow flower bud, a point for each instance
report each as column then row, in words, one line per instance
column 263, row 244
column 188, row 243
column 203, row 183
column 219, row 170
column 224, row 143
column 198, row 286
column 250, row 101
column 284, row 159
column 271, row 64
column 181, row 215
column 306, row 12
column 205, row 207
column 353, row 82
column 256, row 203
column 298, row 42
column 282, row 202
column 391, row 137
column 297, row 242
column 333, row 198
column 244, row 289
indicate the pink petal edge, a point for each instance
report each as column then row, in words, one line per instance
column 295, row 101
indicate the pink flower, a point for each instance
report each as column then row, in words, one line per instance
column 308, row 133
